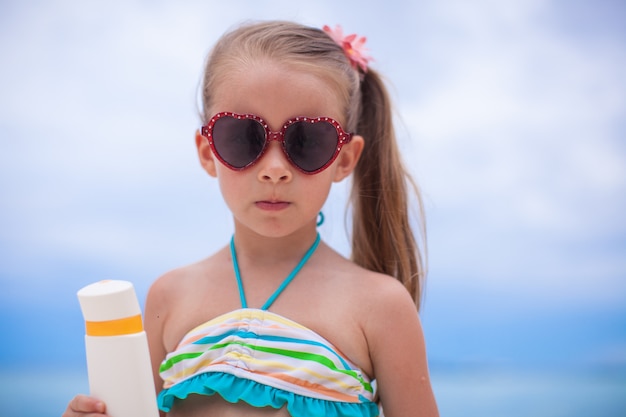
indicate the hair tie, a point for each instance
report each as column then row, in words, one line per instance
column 353, row 47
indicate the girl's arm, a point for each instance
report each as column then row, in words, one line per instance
column 398, row 352
column 154, row 319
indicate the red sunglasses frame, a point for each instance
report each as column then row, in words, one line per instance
column 343, row 137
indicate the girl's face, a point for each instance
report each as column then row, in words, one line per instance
column 273, row 198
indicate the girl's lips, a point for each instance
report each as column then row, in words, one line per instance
column 272, row 205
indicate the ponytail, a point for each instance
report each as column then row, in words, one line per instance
column 382, row 237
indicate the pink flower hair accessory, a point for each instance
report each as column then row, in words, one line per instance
column 353, row 46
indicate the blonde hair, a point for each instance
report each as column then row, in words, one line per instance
column 382, row 235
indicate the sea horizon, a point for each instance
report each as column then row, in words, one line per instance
column 461, row 390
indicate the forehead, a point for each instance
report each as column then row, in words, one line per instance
column 276, row 92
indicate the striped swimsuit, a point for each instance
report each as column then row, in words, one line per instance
column 266, row 360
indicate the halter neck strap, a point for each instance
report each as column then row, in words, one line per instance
column 281, row 288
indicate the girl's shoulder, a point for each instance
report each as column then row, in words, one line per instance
column 187, row 277
column 182, row 298
column 349, row 305
column 354, row 291
column 182, row 288
column 369, row 286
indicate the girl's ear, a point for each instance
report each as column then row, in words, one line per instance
column 348, row 157
column 207, row 160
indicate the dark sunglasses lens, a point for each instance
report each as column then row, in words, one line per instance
column 311, row 145
column 239, row 142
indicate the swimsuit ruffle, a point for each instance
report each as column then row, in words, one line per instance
column 234, row 389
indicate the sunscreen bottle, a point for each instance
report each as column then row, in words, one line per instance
column 118, row 360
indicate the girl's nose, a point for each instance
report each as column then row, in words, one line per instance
column 274, row 165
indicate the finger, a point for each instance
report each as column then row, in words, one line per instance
column 84, row 404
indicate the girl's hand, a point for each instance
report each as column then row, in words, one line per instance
column 85, row 406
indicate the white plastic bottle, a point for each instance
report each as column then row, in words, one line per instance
column 118, row 360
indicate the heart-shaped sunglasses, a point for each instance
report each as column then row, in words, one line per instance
column 311, row 144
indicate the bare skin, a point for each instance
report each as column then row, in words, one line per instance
column 378, row 328
column 328, row 287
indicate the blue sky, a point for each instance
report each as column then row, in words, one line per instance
column 511, row 117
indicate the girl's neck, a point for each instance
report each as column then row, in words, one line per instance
column 252, row 245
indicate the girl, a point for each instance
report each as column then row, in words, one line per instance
column 277, row 323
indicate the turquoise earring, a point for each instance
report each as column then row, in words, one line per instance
column 320, row 219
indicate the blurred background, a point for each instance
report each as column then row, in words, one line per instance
column 511, row 115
